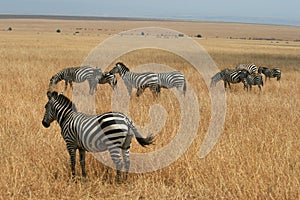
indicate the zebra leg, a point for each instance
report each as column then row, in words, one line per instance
column 225, row 85
column 229, row 86
column 71, row 84
column 139, row 91
column 126, row 160
column 116, row 158
column 66, row 84
column 93, row 86
column 155, row 90
column 259, row 88
column 82, row 162
column 72, row 152
column 129, row 89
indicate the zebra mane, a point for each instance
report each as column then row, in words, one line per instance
column 123, row 66
column 63, row 99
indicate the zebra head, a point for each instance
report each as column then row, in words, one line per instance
column 112, row 79
column 262, row 69
column 49, row 114
column 57, row 107
column 119, row 68
column 54, row 79
column 244, row 74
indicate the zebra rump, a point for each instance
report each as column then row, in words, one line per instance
column 172, row 79
column 110, row 131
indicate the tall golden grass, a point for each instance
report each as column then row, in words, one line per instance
column 256, row 157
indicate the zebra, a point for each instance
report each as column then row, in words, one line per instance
column 229, row 76
column 108, row 78
column 270, row 73
column 110, row 131
column 78, row 75
column 172, row 79
column 253, row 80
column 251, row 68
column 140, row 81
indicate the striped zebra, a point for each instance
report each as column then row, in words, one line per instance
column 172, row 79
column 140, row 81
column 251, row 68
column 270, row 73
column 110, row 131
column 253, row 80
column 108, row 78
column 229, row 76
column 77, row 75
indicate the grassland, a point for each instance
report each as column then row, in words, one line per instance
column 256, row 157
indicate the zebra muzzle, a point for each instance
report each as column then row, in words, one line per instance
column 45, row 124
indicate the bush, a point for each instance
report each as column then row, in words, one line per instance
column 9, row 29
column 58, row 31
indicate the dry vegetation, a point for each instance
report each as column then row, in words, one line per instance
column 256, row 157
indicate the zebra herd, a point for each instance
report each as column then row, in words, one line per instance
column 111, row 131
column 246, row 74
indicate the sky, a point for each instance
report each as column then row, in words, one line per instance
column 254, row 11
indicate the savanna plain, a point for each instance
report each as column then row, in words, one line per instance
column 256, row 156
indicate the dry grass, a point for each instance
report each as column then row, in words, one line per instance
column 256, row 157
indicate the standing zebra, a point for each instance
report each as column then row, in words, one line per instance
column 137, row 80
column 229, row 76
column 79, row 75
column 110, row 131
column 253, row 80
column 172, row 79
column 251, row 68
column 270, row 73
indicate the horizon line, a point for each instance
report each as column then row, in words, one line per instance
column 210, row 19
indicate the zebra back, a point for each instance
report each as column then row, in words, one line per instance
column 251, row 68
column 65, row 74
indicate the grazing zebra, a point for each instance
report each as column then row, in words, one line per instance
column 108, row 78
column 137, row 80
column 229, row 76
column 110, row 131
column 270, row 73
column 78, row 75
column 251, row 68
column 253, row 80
column 172, row 79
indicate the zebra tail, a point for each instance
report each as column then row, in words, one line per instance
column 184, row 87
column 142, row 141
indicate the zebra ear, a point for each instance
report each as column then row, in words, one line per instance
column 51, row 94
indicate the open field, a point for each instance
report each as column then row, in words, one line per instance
column 256, row 157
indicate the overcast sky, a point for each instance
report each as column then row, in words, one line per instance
column 286, row 11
